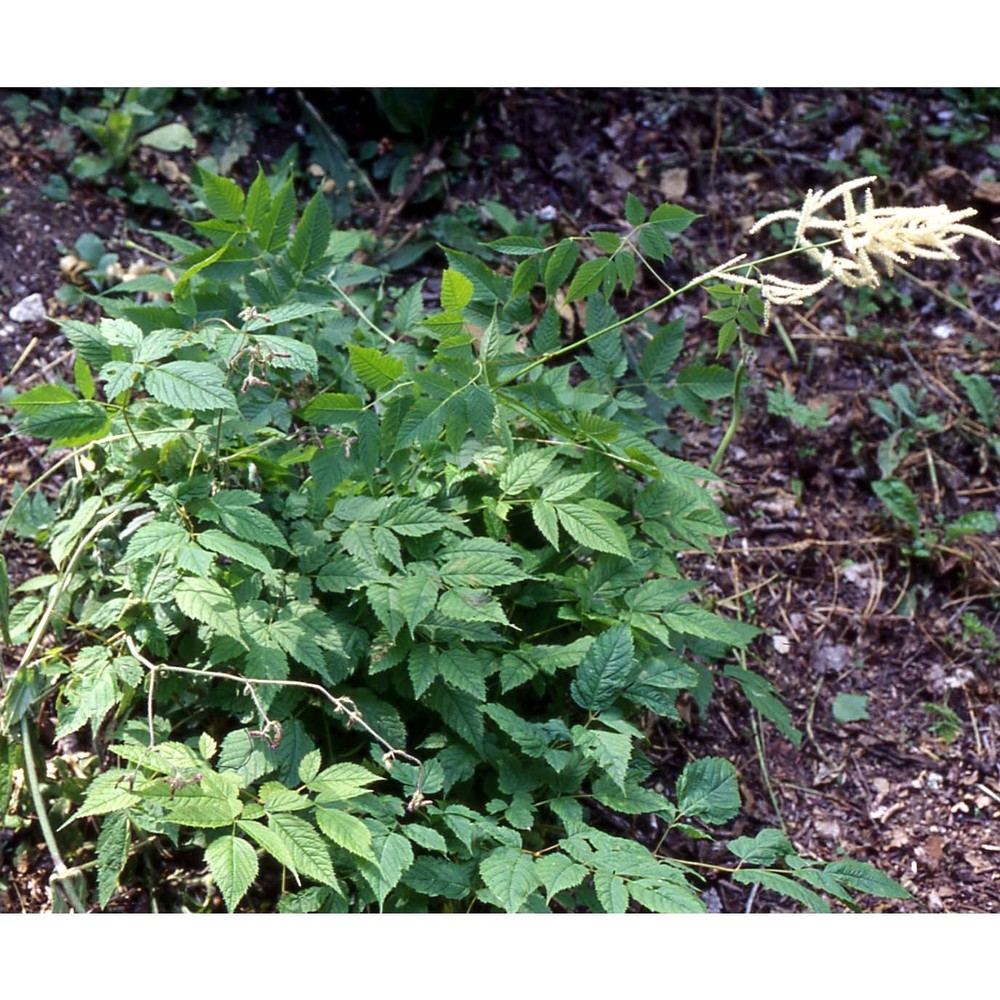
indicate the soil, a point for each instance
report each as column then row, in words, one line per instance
column 913, row 784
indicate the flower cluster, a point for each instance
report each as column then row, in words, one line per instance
column 889, row 236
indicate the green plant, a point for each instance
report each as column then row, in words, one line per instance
column 945, row 725
column 782, row 403
column 911, row 428
column 374, row 599
column 121, row 122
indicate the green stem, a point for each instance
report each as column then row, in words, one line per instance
column 65, row 884
column 734, row 420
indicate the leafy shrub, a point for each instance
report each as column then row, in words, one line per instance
column 382, row 588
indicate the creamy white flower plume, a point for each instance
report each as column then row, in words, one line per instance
column 888, row 236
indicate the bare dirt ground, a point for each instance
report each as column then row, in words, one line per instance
column 913, row 784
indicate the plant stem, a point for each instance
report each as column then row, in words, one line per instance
column 61, row 874
column 734, row 420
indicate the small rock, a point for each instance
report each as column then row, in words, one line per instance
column 831, row 658
column 29, row 310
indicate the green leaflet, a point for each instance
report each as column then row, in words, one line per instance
column 374, row 368
column 510, row 876
column 456, row 291
column 558, row 873
column 232, row 548
column 208, row 800
column 707, row 790
column 784, row 885
column 592, row 529
column 113, row 844
column 341, row 782
column 208, row 602
column 346, row 831
column 54, row 413
column 864, row 878
column 233, row 865
column 190, row 385
column 393, row 857
column 438, row 877
column 109, row 792
column 312, row 234
column 222, row 196
column 605, row 671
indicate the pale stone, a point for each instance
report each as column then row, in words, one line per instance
column 29, row 310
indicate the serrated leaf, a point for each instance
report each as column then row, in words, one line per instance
column 764, row 849
column 981, row 395
column 525, row 276
column 421, row 666
column 604, row 240
column 112, row 852
column 863, row 877
column 659, row 355
column 394, row 856
column 418, row 594
column 374, row 368
column 305, row 846
column 464, row 670
column 516, row 246
column 276, row 797
column 309, row 766
column 526, row 470
column 760, row 692
column 109, row 792
column 341, row 782
column 439, row 877
column 610, row 751
column 587, row 279
column 234, row 511
column 606, row 670
column 456, row 291
column 665, row 896
column 707, row 790
column 232, row 548
column 54, row 413
column 207, row 602
column 511, row 876
column 612, row 893
column 312, row 234
column 210, row 800
column 340, row 575
column 233, row 865
column 592, row 529
column 544, row 516
column 673, row 218
column 415, row 518
column 346, row 831
column 460, row 712
column 784, row 885
column 635, row 213
column 190, row 385
column 479, row 571
column 558, row 872
column 706, row 381
column 560, row 264
column 222, row 196
column 564, row 487
column 480, row 409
